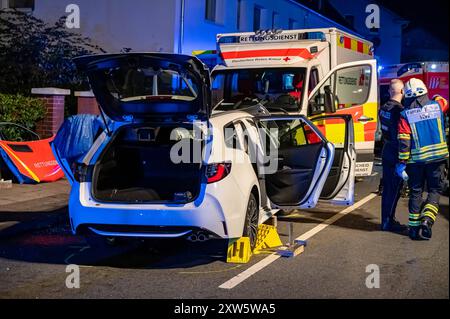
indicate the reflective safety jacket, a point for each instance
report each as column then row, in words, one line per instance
column 421, row 132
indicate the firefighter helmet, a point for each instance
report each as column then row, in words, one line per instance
column 415, row 88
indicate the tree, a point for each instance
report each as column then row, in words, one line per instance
column 36, row 54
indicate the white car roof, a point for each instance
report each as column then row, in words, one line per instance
column 221, row 119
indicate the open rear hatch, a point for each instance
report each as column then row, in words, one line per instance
column 143, row 86
column 162, row 100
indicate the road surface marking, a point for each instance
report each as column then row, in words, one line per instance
column 209, row 271
column 82, row 248
column 233, row 282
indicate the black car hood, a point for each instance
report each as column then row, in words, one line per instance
column 103, row 70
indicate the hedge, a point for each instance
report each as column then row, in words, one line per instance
column 22, row 110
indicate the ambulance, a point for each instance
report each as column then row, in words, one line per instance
column 312, row 72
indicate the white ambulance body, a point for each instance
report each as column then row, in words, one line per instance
column 333, row 72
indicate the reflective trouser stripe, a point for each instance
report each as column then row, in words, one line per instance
column 403, row 155
column 414, row 219
column 404, row 136
column 431, row 211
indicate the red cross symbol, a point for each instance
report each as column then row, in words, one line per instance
column 286, row 59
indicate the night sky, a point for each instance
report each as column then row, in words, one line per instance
column 433, row 15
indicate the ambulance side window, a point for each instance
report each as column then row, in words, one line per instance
column 353, row 85
column 345, row 88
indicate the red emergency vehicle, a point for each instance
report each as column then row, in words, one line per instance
column 433, row 74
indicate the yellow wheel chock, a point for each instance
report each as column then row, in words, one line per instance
column 266, row 238
column 267, row 241
column 239, row 250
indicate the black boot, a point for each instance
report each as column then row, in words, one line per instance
column 425, row 228
column 396, row 226
column 393, row 225
column 414, row 232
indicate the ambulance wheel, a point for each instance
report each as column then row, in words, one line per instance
column 251, row 221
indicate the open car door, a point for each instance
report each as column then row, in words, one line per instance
column 340, row 183
column 296, row 160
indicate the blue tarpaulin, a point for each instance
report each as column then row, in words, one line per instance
column 76, row 136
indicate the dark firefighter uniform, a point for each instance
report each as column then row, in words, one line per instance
column 423, row 145
column 392, row 184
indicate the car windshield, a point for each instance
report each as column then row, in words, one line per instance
column 278, row 87
column 133, row 83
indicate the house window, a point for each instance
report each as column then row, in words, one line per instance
column 210, row 13
column 21, row 4
column 257, row 18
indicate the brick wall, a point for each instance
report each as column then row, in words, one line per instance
column 87, row 104
column 54, row 100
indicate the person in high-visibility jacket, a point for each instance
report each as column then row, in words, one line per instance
column 423, row 146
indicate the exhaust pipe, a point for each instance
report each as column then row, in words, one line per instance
column 192, row 238
column 202, row 237
column 198, row 237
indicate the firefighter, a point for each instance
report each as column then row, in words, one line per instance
column 422, row 144
column 391, row 183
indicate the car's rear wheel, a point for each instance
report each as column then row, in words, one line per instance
column 251, row 220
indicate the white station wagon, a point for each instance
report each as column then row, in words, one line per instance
column 167, row 166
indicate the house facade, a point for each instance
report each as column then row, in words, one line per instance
column 180, row 26
column 387, row 39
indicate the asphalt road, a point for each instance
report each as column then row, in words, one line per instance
column 334, row 264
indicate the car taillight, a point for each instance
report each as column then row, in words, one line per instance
column 217, row 172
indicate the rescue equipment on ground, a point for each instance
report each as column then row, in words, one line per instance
column 267, row 242
column 30, row 162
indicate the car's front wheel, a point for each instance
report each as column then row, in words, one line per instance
column 251, row 221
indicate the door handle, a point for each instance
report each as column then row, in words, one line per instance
column 365, row 119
